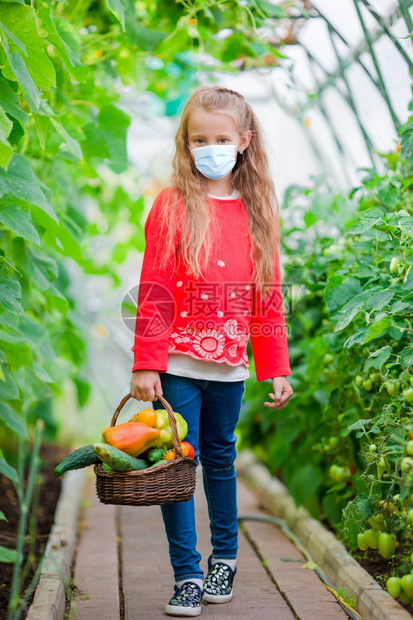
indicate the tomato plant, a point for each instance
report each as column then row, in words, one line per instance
column 344, row 447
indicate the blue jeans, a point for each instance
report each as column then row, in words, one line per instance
column 211, row 409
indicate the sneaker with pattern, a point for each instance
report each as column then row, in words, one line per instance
column 218, row 584
column 186, row 601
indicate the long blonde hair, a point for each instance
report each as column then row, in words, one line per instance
column 188, row 213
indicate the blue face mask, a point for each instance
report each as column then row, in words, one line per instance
column 214, row 161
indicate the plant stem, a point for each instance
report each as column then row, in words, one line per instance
column 24, row 501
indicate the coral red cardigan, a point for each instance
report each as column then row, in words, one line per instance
column 210, row 318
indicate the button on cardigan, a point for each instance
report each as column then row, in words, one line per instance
column 211, row 318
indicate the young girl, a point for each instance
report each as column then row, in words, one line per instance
column 210, row 281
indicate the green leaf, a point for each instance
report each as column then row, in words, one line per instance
column 118, row 9
column 6, row 149
column 374, row 330
column 408, row 279
column 9, row 101
column 406, row 357
column 350, row 309
column 16, row 350
column 12, row 419
column 10, row 294
column 114, row 123
column 380, row 357
column 338, row 295
column 21, row 21
column 367, row 220
column 387, row 194
column 42, row 125
column 407, row 141
column 6, row 125
column 63, row 36
column 381, row 299
column 42, row 374
column 138, row 35
column 399, row 306
column 20, row 181
column 59, row 300
column 8, row 471
column 8, row 388
column 21, row 72
column 304, row 482
column 360, row 424
column 271, row 10
column 18, row 220
column 72, row 143
column 8, row 556
column 406, row 224
column 3, row 516
column 15, row 40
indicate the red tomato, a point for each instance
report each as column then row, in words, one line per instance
column 189, row 451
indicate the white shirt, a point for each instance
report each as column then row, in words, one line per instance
column 185, row 365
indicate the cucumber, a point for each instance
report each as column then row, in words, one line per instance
column 158, row 463
column 154, row 455
column 106, row 467
column 116, row 459
column 82, row 457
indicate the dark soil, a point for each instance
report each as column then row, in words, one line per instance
column 37, row 538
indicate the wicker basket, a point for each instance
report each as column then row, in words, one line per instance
column 168, row 483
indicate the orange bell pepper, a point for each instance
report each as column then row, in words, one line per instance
column 133, row 438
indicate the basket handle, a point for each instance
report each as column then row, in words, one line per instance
column 171, row 416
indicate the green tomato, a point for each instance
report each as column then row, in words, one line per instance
column 372, row 447
column 377, row 522
column 339, row 474
column 333, row 471
column 394, row 265
column 361, row 542
column 328, row 358
column 407, row 585
column 359, row 380
column 409, row 447
column 391, row 387
column 368, row 385
column 371, row 538
column 394, row 586
column 387, row 544
column 344, row 474
column 334, row 441
column 410, row 515
column 411, row 381
column 406, row 464
column 408, row 395
column 374, row 377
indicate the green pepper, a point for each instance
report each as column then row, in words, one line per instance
column 162, row 424
column 394, row 586
column 377, row 522
column 371, row 537
column 387, row 544
column 361, row 542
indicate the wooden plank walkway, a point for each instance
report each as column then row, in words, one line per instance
column 124, row 549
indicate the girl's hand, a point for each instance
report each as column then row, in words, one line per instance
column 144, row 384
column 282, row 392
